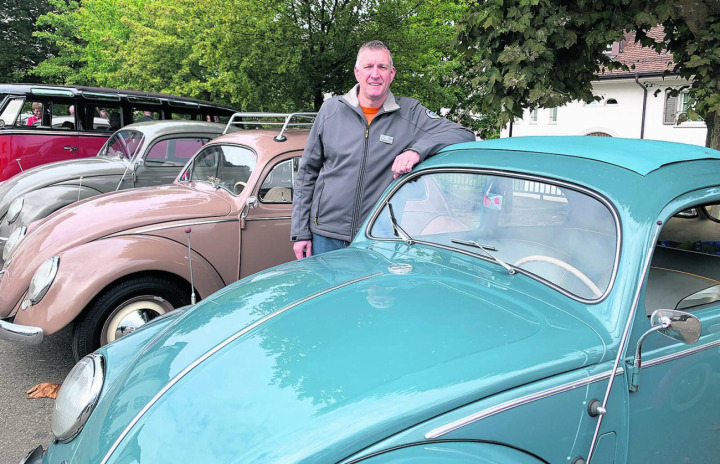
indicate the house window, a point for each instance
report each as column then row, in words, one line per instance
column 676, row 108
column 611, row 101
column 534, row 116
column 553, row 115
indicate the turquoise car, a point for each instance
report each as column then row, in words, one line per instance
column 524, row 300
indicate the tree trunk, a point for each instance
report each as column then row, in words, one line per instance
column 317, row 98
column 712, row 140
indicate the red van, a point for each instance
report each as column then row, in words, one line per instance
column 40, row 124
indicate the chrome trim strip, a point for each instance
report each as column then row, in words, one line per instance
column 213, row 351
column 452, row 426
column 196, row 223
column 247, row 219
column 20, row 333
column 623, row 341
column 515, row 175
column 681, row 354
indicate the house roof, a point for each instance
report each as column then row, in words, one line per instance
column 640, row 60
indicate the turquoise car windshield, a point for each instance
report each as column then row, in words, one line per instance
column 559, row 235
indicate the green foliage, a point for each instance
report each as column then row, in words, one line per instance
column 259, row 55
column 19, row 50
column 545, row 53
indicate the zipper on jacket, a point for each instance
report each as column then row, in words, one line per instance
column 359, row 191
column 317, row 213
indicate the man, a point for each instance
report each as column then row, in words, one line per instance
column 359, row 143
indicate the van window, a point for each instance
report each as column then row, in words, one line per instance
column 104, row 118
column 11, row 111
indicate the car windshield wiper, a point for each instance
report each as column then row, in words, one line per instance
column 487, row 250
column 397, row 230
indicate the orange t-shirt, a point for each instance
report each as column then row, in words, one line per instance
column 370, row 113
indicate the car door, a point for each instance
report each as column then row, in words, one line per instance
column 265, row 227
column 164, row 158
column 674, row 416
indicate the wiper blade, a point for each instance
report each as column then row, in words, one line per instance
column 487, row 249
column 397, row 230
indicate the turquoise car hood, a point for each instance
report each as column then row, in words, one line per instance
column 317, row 359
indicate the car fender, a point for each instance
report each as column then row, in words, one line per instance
column 42, row 202
column 86, row 270
column 450, row 452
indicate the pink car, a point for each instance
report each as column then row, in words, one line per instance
column 111, row 263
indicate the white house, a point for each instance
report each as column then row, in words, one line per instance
column 629, row 107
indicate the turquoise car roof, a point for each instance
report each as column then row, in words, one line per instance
column 639, row 156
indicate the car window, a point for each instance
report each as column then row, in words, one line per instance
column 11, row 111
column 685, row 268
column 104, row 118
column 124, row 143
column 63, row 116
column 713, row 211
column 34, row 113
column 140, row 115
column 174, row 152
column 277, row 187
column 225, row 166
column 562, row 236
column 185, row 116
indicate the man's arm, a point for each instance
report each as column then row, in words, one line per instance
column 435, row 132
column 310, row 164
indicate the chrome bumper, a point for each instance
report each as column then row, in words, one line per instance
column 34, row 457
column 20, row 333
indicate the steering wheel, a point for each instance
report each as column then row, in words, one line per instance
column 239, row 186
column 574, row 271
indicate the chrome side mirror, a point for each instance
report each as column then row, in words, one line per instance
column 678, row 325
column 252, row 202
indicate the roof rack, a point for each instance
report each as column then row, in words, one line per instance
column 271, row 119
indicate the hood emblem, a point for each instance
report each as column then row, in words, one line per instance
column 400, row 268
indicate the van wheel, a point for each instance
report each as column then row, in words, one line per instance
column 123, row 308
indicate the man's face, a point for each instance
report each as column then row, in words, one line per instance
column 374, row 74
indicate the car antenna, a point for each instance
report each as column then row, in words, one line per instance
column 79, row 188
column 18, row 162
column 122, row 178
column 192, row 283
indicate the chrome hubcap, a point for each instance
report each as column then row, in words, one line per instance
column 132, row 315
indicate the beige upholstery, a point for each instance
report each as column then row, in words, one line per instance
column 278, row 195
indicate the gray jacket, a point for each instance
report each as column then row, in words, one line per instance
column 346, row 164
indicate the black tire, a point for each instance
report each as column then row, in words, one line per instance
column 151, row 293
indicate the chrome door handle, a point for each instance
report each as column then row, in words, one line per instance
column 68, row 147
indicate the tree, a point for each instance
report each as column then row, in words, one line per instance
column 19, row 50
column 260, row 55
column 545, row 53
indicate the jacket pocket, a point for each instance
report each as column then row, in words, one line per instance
column 315, row 209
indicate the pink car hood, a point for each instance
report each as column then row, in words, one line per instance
column 101, row 216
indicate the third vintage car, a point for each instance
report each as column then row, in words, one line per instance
column 525, row 300
column 41, row 124
column 138, row 155
column 113, row 262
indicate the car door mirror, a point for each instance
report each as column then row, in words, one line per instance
column 252, row 202
column 678, row 325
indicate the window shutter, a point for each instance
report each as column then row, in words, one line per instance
column 670, row 109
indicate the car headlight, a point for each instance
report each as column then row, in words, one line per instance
column 77, row 397
column 14, row 209
column 13, row 240
column 42, row 279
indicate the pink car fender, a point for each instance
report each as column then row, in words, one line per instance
column 85, row 271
